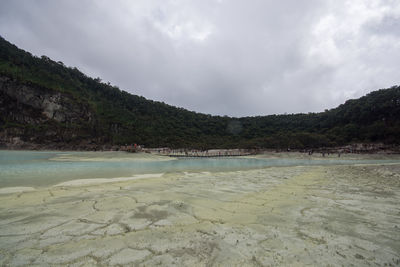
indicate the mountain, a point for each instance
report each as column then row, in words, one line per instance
column 45, row 104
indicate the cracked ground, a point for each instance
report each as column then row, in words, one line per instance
column 290, row 216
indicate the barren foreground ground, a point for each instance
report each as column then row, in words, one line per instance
column 290, row 216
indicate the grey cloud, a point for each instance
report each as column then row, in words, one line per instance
column 389, row 25
column 221, row 57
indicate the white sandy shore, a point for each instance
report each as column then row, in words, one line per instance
column 19, row 189
column 109, row 156
column 93, row 181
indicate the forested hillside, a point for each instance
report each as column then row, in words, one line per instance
column 44, row 102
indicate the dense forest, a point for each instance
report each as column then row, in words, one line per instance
column 114, row 117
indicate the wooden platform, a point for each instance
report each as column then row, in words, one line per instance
column 222, row 155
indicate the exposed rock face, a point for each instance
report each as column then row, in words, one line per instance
column 53, row 105
column 34, row 114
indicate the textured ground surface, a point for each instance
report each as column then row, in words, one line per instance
column 290, row 216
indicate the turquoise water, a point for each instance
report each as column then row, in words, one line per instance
column 37, row 168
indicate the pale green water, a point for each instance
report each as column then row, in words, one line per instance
column 37, row 168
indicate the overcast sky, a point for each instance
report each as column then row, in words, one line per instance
column 225, row 57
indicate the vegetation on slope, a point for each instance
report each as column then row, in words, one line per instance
column 123, row 118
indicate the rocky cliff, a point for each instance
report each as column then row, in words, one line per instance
column 34, row 116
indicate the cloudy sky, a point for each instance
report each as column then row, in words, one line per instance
column 225, row 57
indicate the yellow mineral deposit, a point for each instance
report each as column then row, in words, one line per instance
column 292, row 216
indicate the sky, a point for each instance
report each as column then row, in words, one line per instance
column 221, row 57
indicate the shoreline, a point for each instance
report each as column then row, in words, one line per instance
column 363, row 160
column 89, row 182
column 355, row 148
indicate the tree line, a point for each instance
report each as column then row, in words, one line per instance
column 122, row 118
